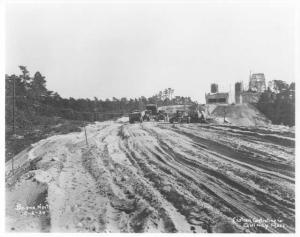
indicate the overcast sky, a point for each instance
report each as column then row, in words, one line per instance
column 137, row 49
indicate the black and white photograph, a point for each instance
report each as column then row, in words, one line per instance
column 149, row 117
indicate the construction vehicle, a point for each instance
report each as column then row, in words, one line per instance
column 135, row 116
column 147, row 114
column 153, row 109
column 181, row 116
column 162, row 115
column 197, row 116
column 151, row 113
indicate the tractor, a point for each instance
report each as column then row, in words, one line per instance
column 135, row 116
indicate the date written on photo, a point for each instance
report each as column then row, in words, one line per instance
column 259, row 222
column 32, row 210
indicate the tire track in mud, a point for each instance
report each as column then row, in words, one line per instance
column 279, row 138
column 267, row 204
column 254, row 130
column 250, row 156
column 270, row 204
column 235, row 189
column 243, row 148
column 167, row 191
column 167, row 211
column 190, row 174
column 147, row 212
column 154, row 177
column 178, row 192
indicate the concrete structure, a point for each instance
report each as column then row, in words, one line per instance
column 257, row 85
column 257, row 82
column 214, row 88
column 217, row 98
column 238, row 90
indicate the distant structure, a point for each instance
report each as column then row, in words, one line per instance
column 257, row 85
column 216, row 97
column 238, row 90
column 257, row 82
column 214, row 88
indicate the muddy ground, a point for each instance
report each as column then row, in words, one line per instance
column 156, row 177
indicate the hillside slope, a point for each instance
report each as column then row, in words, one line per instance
column 240, row 114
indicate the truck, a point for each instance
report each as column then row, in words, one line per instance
column 152, row 113
column 162, row 116
column 181, row 116
column 147, row 114
column 135, row 116
column 153, row 109
column 197, row 116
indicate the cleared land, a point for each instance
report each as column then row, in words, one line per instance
column 155, row 177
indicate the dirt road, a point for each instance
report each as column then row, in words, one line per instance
column 155, row 177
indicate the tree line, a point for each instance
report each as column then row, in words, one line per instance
column 33, row 98
column 278, row 103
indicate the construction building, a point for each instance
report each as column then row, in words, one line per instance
column 257, row 85
column 257, row 82
column 216, row 97
column 238, row 90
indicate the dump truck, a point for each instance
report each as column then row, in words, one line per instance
column 147, row 114
column 162, row 115
column 181, row 116
column 153, row 109
column 135, row 116
column 151, row 113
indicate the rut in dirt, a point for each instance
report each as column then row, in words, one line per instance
column 227, row 184
column 158, row 177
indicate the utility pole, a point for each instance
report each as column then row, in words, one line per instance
column 14, row 119
column 14, row 106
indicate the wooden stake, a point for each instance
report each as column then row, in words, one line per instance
column 85, row 136
column 12, row 165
